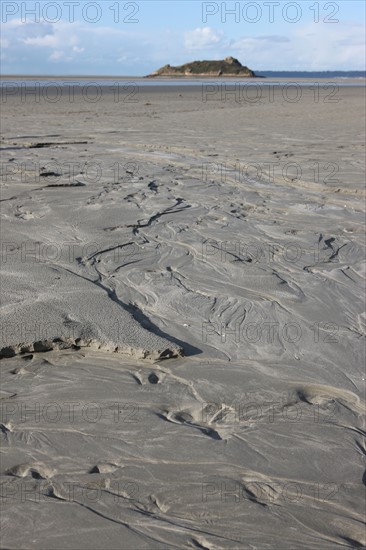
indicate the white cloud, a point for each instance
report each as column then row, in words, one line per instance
column 56, row 55
column 50, row 40
column 273, row 38
column 90, row 49
column 202, row 37
column 80, row 48
column 312, row 47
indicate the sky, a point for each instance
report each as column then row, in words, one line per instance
column 135, row 38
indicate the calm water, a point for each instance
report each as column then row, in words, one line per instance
column 18, row 84
column 312, row 74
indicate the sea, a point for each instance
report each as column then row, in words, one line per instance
column 51, row 85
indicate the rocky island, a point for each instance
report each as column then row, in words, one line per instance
column 228, row 67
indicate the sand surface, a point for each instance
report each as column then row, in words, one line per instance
column 183, row 320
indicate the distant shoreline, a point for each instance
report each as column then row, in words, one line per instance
column 280, row 75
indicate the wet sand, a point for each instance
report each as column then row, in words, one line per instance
column 183, row 321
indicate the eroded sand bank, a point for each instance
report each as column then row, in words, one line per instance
column 226, row 236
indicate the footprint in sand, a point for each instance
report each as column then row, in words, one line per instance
column 37, row 470
column 186, row 419
column 152, row 378
column 103, row 468
column 22, row 214
column 325, row 397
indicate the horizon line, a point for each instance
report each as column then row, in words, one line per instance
column 59, row 75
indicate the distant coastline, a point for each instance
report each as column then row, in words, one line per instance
column 311, row 74
column 258, row 74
